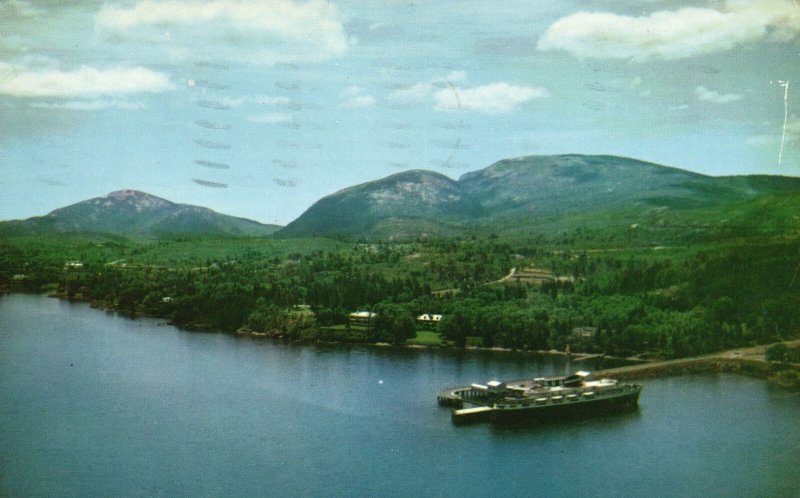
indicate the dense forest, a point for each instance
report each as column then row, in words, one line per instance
column 654, row 301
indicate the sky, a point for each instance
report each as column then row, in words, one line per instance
column 259, row 108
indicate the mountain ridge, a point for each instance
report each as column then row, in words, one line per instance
column 522, row 189
column 413, row 194
column 517, row 194
column 132, row 212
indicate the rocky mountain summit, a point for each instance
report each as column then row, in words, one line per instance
column 135, row 213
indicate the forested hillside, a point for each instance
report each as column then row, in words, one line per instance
column 131, row 213
column 595, row 253
column 653, row 300
column 532, row 193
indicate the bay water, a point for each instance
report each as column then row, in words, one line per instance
column 96, row 404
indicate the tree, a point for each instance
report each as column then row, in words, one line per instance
column 393, row 323
column 777, row 352
column 456, row 327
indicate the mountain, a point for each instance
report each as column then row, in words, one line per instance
column 522, row 192
column 134, row 213
column 529, row 194
column 545, row 185
column 403, row 204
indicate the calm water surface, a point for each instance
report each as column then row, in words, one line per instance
column 95, row 404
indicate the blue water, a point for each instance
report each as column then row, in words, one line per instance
column 96, row 404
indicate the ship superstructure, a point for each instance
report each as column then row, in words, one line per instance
column 541, row 397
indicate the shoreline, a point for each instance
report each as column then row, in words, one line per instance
column 743, row 361
column 749, row 361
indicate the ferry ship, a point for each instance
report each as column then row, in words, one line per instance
column 543, row 398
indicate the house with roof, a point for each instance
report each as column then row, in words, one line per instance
column 361, row 318
column 429, row 320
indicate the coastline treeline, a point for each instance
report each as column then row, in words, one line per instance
column 658, row 302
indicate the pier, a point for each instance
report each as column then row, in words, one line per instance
column 456, row 397
column 745, row 360
column 469, row 415
column 585, row 357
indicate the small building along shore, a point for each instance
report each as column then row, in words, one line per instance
column 428, row 320
column 362, row 318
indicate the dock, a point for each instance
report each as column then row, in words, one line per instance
column 585, row 357
column 471, row 403
column 455, row 397
column 469, row 415
column 745, row 360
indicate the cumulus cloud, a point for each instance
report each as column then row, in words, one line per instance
column 703, row 93
column 22, row 82
column 421, row 91
column 254, row 31
column 672, row 35
column 494, row 98
column 226, row 103
column 355, row 98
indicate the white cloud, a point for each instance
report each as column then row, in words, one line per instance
column 271, row 118
column 672, row 35
column 492, row 99
column 452, row 77
column 231, row 102
column 703, row 93
column 359, row 102
column 356, row 99
column 254, row 31
column 90, row 105
column 22, row 82
column 421, row 91
column 414, row 93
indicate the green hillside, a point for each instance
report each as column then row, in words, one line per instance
column 411, row 202
column 532, row 193
column 132, row 213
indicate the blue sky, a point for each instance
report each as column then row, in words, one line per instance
column 259, row 108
